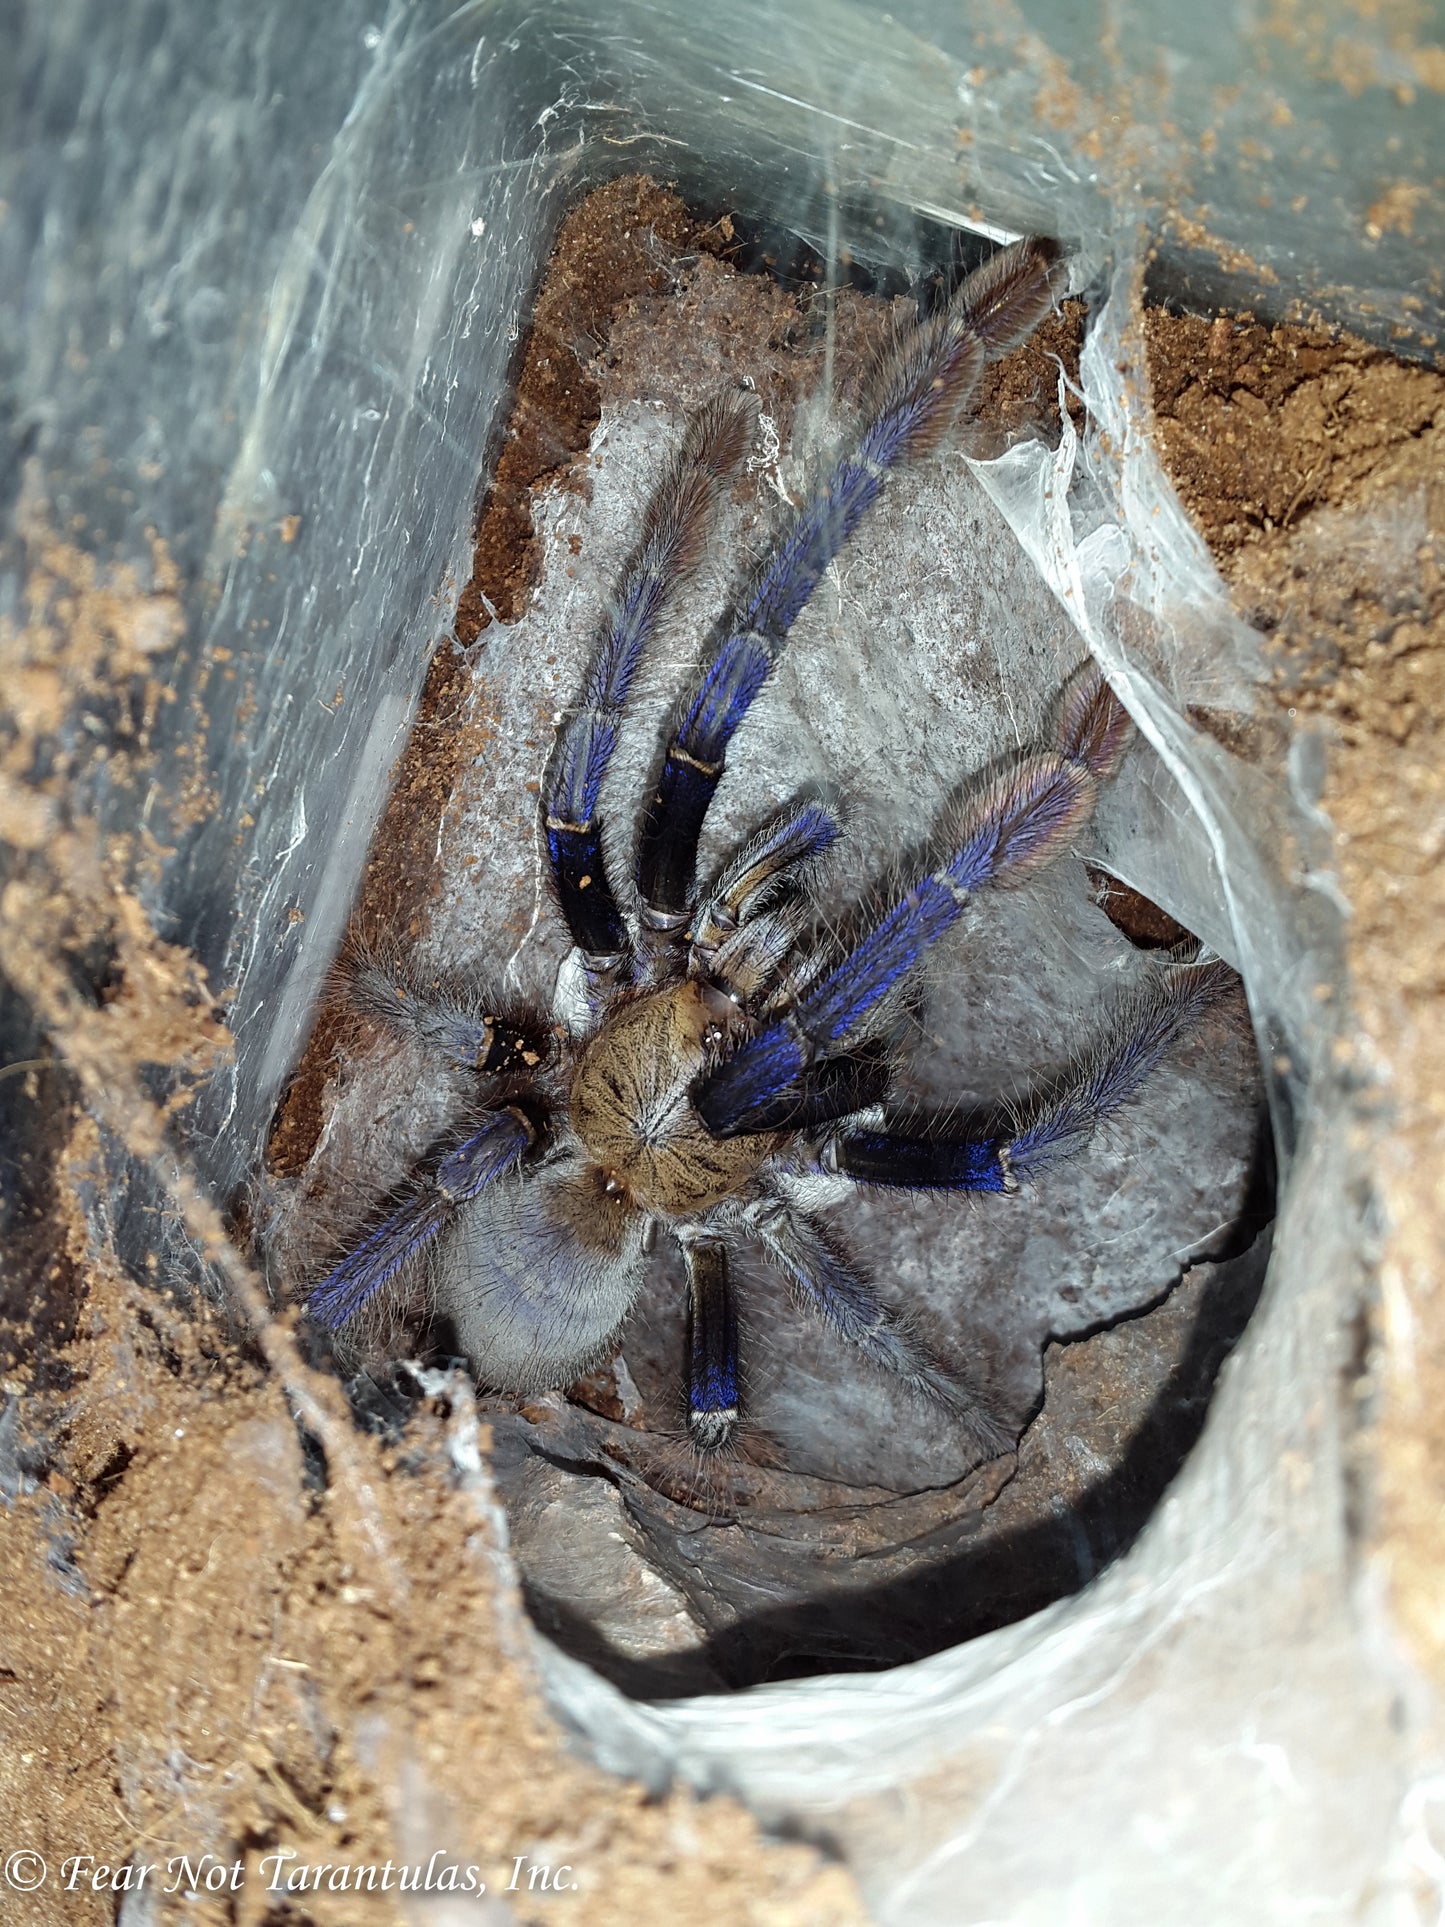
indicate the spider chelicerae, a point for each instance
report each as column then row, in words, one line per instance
column 730, row 1045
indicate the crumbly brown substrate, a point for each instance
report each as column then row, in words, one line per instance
column 1315, row 468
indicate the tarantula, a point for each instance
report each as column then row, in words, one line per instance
column 730, row 1047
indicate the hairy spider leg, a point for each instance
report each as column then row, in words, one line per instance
column 925, row 382
column 771, row 865
column 1092, row 725
column 750, row 921
column 1020, row 820
column 744, row 938
column 821, row 1093
column 754, row 961
column 823, row 1281
column 672, row 535
column 712, row 1345
column 441, row 1017
column 479, row 1160
column 1055, row 1123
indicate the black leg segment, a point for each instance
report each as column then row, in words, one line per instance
column 583, row 891
column 1057, row 1121
column 672, row 536
column 712, row 1345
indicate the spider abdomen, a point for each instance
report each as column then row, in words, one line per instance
column 632, row 1110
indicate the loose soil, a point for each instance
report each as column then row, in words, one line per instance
column 1315, row 468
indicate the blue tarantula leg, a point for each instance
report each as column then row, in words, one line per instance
column 755, row 957
column 1057, row 1122
column 772, row 865
column 494, row 1149
column 1093, row 726
column 832, row 1088
column 824, row 1282
column 672, row 534
column 1016, row 822
column 919, row 389
column 744, row 935
column 712, row 1345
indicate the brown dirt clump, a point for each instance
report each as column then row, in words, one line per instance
column 208, row 1655
column 1315, row 467
column 615, row 247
